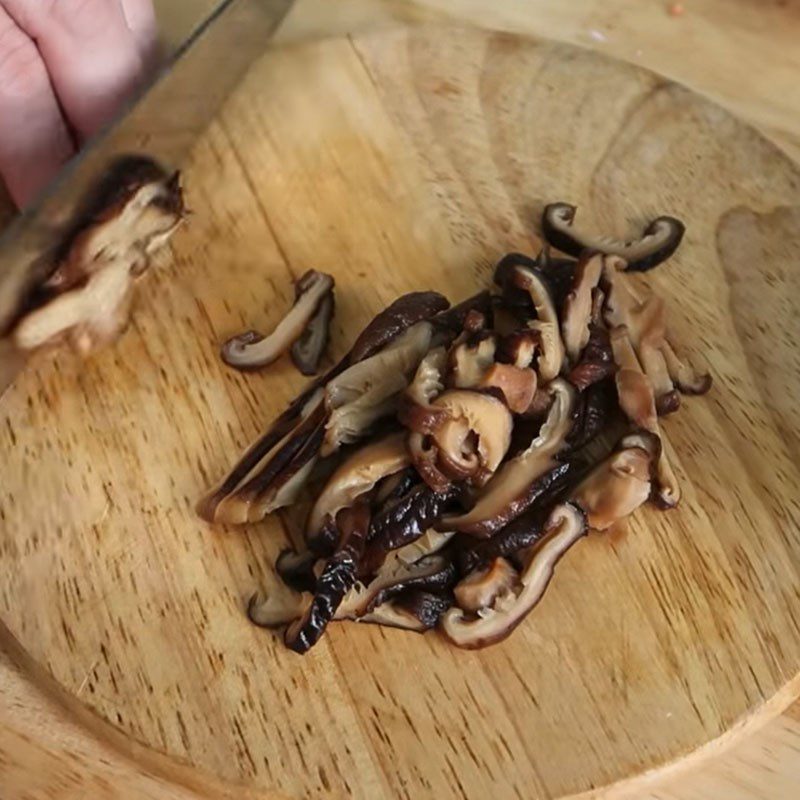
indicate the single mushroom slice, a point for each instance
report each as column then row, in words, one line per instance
column 472, row 441
column 596, row 410
column 415, row 410
column 657, row 243
column 552, row 357
column 482, row 587
column 577, row 308
column 338, row 576
column 596, row 362
column 307, row 351
column 637, row 401
column 395, row 320
column 565, row 526
column 616, row 487
column 370, row 390
column 515, row 485
column 358, row 474
column 411, row 516
column 683, row 376
column 432, row 541
column 251, row 350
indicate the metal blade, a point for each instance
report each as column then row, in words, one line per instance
column 163, row 122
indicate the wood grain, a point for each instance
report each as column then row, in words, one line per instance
column 402, row 160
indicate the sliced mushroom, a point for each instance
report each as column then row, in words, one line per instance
column 517, row 536
column 565, row 526
column 432, row 541
column 395, row 320
column 337, row 578
column 307, row 351
column 637, row 401
column 87, row 298
column 616, row 487
column 370, row 389
column 252, row 350
column 356, row 475
column 482, row 587
column 596, row 362
column 515, row 485
column 468, row 444
column 658, row 242
column 577, row 308
column 546, row 324
column 415, row 409
column 411, row 516
column 595, row 411
column 684, row 377
column 279, row 478
column 265, row 458
column 519, row 348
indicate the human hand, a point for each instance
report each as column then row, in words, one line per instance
column 65, row 68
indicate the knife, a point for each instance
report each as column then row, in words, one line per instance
column 162, row 122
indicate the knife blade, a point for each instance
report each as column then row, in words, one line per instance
column 162, row 122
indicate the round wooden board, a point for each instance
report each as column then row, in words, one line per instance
column 396, row 161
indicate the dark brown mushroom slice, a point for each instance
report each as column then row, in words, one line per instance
column 514, row 486
column 410, row 517
column 657, row 243
column 426, row 607
column 308, row 350
column 616, row 487
column 251, row 350
column 596, row 410
column 337, row 578
column 358, row 474
column 565, row 526
column 596, row 362
column 521, row 533
column 432, row 573
column 396, row 319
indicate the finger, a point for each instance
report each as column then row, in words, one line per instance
column 141, row 19
column 92, row 56
column 34, row 140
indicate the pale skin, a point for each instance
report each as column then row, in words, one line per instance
column 65, row 68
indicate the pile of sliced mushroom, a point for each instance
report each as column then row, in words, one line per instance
column 484, row 449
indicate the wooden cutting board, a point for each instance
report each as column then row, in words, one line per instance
column 396, row 161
